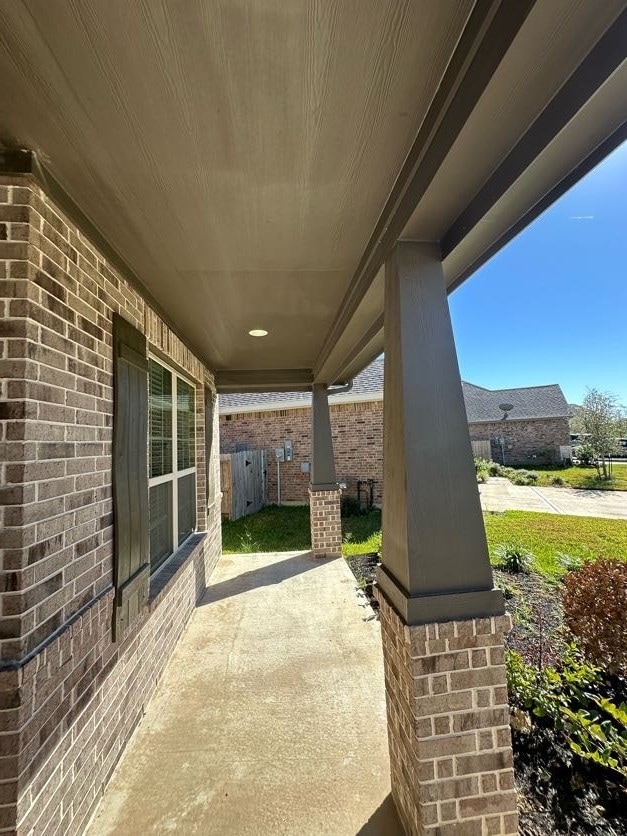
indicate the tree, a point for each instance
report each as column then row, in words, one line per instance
column 599, row 419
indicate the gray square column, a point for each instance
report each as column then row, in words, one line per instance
column 442, row 622
column 435, row 556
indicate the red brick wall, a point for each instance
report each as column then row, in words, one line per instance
column 526, row 442
column 69, row 697
column 358, row 443
column 357, row 439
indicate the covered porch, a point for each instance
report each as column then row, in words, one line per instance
column 199, row 198
column 270, row 717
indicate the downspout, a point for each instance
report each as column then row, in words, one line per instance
column 340, row 390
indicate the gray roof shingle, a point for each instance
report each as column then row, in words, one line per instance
column 481, row 404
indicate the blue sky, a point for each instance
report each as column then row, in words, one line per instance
column 551, row 307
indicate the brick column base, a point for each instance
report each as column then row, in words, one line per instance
column 326, row 522
column 448, row 725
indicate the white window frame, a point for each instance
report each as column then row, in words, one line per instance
column 176, row 474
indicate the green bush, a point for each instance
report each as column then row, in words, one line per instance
column 513, row 558
column 524, row 477
column 349, row 506
column 569, row 698
column 558, row 481
column 569, row 562
column 495, row 469
column 482, row 469
column 584, row 453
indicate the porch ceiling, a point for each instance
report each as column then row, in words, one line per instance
column 252, row 161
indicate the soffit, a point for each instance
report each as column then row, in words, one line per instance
column 236, row 154
column 553, row 41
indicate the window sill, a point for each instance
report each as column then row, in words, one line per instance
column 162, row 577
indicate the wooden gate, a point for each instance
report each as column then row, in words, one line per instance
column 482, row 450
column 243, row 477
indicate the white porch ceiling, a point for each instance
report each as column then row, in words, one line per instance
column 238, row 155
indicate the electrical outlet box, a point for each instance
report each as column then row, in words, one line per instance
column 280, row 454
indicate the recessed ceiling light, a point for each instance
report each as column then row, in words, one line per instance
column 258, row 332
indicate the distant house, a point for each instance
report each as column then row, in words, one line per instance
column 532, row 430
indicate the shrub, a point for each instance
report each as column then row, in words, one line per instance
column 495, row 469
column 349, row 506
column 482, row 469
column 584, row 454
column 509, row 590
column 569, row 698
column 594, row 599
column 514, row 558
column 524, row 477
column 558, row 481
column 569, row 561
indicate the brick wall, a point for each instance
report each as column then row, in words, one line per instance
column 357, row 430
column 526, row 442
column 69, row 697
column 358, row 443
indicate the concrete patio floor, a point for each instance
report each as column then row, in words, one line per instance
column 499, row 494
column 270, row 717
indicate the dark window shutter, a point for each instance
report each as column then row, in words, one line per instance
column 131, row 571
column 210, row 479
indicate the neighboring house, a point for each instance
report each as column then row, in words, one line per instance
column 533, row 431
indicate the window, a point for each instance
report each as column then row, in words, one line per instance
column 172, row 471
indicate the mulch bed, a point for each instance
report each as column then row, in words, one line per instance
column 559, row 794
column 364, row 567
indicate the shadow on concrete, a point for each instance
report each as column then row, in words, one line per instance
column 383, row 822
column 293, row 565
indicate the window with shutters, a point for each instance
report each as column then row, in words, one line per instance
column 172, row 461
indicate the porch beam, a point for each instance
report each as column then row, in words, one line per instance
column 606, row 57
column 263, row 380
column 435, row 557
column 489, row 33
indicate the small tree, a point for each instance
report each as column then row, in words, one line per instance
column 598, row 418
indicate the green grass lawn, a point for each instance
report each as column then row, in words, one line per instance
column 273, row 529
column 546, row 535
column 584, row 477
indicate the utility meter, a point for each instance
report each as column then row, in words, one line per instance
column 280, row 454
column 289, row 449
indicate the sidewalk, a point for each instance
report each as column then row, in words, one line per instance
column 270, row 718
column 498, row 494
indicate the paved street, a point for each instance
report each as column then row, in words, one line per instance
column 498, row 494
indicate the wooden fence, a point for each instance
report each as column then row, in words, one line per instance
column 244, row 481
column 482, row 450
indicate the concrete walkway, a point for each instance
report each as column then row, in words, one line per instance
column 498, row 494
column 270, row 718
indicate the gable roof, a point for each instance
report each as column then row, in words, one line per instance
column 482, row 405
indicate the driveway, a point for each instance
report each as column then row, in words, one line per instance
column 270, row 717
column 498, row 494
